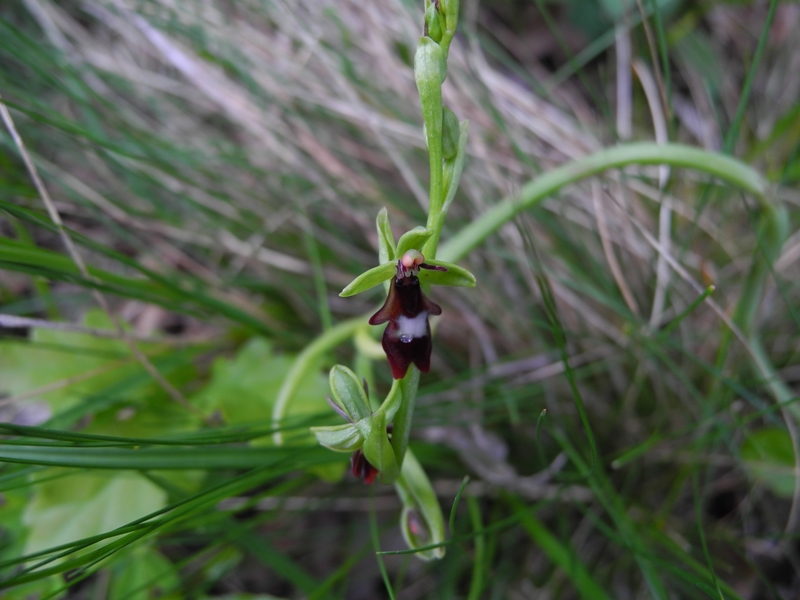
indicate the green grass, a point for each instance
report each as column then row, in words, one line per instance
column 219, row 169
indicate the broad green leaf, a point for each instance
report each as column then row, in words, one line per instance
column 369, row 279
column 769, row 459
column 244, row 389
column 52, row 355
column 86, row 504
column 101, row 380
column 413, row 239
column 454, row 276
column 142, row 574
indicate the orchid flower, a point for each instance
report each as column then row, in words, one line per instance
column 407, row 337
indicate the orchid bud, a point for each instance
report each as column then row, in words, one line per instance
column 433, row 23
column 349, row 394
column 421, row 521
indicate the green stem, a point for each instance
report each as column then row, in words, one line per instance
column 405, row 414
column 435, row 224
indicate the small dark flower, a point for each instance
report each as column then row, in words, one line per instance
column 361, row 467
column 407, row 337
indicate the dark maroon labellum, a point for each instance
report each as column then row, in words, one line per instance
column 361, row 467
column 407, row 337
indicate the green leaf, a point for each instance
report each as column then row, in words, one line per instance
column 244, row 389
column 454, row 276
column 52, row 355
column 560, row 553
column 209, row 456
column 44, row 588
column 413, row 240
column 769, row 459
column 369, row 279
column 348, row 392
column 386, row 245
column 85, row 504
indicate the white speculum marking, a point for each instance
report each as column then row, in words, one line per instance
column 410, row 328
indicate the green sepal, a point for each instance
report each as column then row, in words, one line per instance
column 413, row 239
column 454, row 276
column 451, row 134
column 369, row 279
column 339, row 438
column 386, row 245
column 454, row 166
column 378, row 450
column 348, row 392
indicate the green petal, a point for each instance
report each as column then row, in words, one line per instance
column 369, row 279
column 454, row 276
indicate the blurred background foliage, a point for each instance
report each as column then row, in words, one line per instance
column 219, row 166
